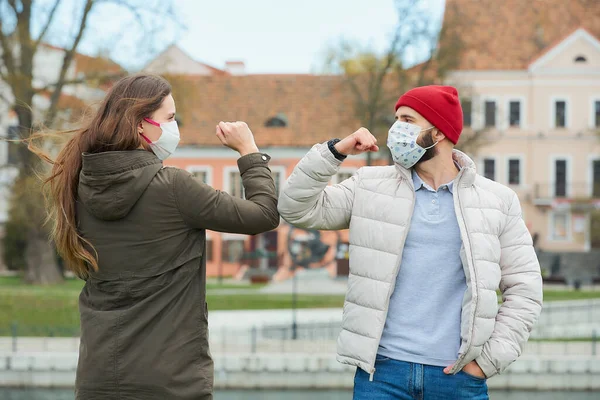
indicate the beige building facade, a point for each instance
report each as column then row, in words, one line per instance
column 542, row 126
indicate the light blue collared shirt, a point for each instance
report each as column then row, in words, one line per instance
column 423, row 321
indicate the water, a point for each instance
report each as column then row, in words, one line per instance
column 42, row 394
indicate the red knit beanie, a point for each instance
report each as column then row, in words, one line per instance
column 439, row 105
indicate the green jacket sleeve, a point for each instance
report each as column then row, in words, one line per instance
column 203, row 207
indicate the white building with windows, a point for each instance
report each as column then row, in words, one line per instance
column 543, row 137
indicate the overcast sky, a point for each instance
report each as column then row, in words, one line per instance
column 270, row 36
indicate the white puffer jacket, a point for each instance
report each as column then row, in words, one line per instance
column 377, row 205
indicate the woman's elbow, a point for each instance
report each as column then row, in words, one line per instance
column 273, row 222
column 267, row 223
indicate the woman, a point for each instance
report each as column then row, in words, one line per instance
column 135, row 231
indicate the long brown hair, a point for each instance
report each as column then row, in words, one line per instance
column 113, row 127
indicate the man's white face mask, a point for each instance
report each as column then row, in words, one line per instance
column 402, row 142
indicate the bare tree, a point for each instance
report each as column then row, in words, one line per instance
column 18, row 48
column 376, row 80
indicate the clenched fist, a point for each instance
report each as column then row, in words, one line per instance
column 237, row 136
column 359, row 142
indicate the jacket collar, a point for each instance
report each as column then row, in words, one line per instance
column 465, row 178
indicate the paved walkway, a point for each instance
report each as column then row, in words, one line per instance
column 315, row 281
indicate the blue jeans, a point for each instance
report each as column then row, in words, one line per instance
column 399, row 380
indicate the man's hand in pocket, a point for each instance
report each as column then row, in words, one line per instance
column 471, row 368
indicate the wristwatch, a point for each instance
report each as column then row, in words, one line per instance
column 331, row 145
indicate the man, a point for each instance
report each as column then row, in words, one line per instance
column 430, row 243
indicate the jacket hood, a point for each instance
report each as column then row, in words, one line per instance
column 111, row 183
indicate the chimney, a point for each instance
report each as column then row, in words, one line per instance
column 235, row 67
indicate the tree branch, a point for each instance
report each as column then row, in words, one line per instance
column 13, row 5
column 7, row 55
column 133, row 9
column 24, row 33
column 425, row 65
column 86, row 79
column 68, row 58
column 356, row 90
column 46, row 26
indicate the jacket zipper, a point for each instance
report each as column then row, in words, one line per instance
column 396, row 271
column 473, row 274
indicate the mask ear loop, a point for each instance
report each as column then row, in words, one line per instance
column 433, row 145
column 152, row 122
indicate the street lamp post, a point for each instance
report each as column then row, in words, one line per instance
column 294, row 305
column 220, row 265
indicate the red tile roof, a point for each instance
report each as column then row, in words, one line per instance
column 89, row 64
column 317, row 107
column 493, row 35
column 96, row 65
column 509, row 34
column 556, row 43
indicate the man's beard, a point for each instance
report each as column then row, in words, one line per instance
column 429, row 153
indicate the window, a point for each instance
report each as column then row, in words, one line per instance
column 489, row 168
column 277, row 179
column 201, row 173
column 201, row 176
column 560, row 226
column 467, row 107
column 597, row 114
column 278, row 121
column 580, row 59
column 560, row 114
column 278, row 174
column 209, row 249
column 232, row 250
column 490, row 113
column 514, row 171
column 514, row 116
column 596, row 178
column 343, row 174
column 12, row 132
column 560, row 178
column 235, row 186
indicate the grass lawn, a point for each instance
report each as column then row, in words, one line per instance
column 52, row 310
column 556, row 295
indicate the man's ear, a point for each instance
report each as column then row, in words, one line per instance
column 438, row 136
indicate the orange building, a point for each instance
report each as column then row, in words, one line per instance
column 287, row 114
column 528, row 77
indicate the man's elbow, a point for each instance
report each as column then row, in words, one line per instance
column 286, row 212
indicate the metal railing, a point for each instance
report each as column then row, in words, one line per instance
column 317, row 339
column 564, row 328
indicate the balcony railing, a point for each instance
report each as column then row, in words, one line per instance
column 571, row 191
